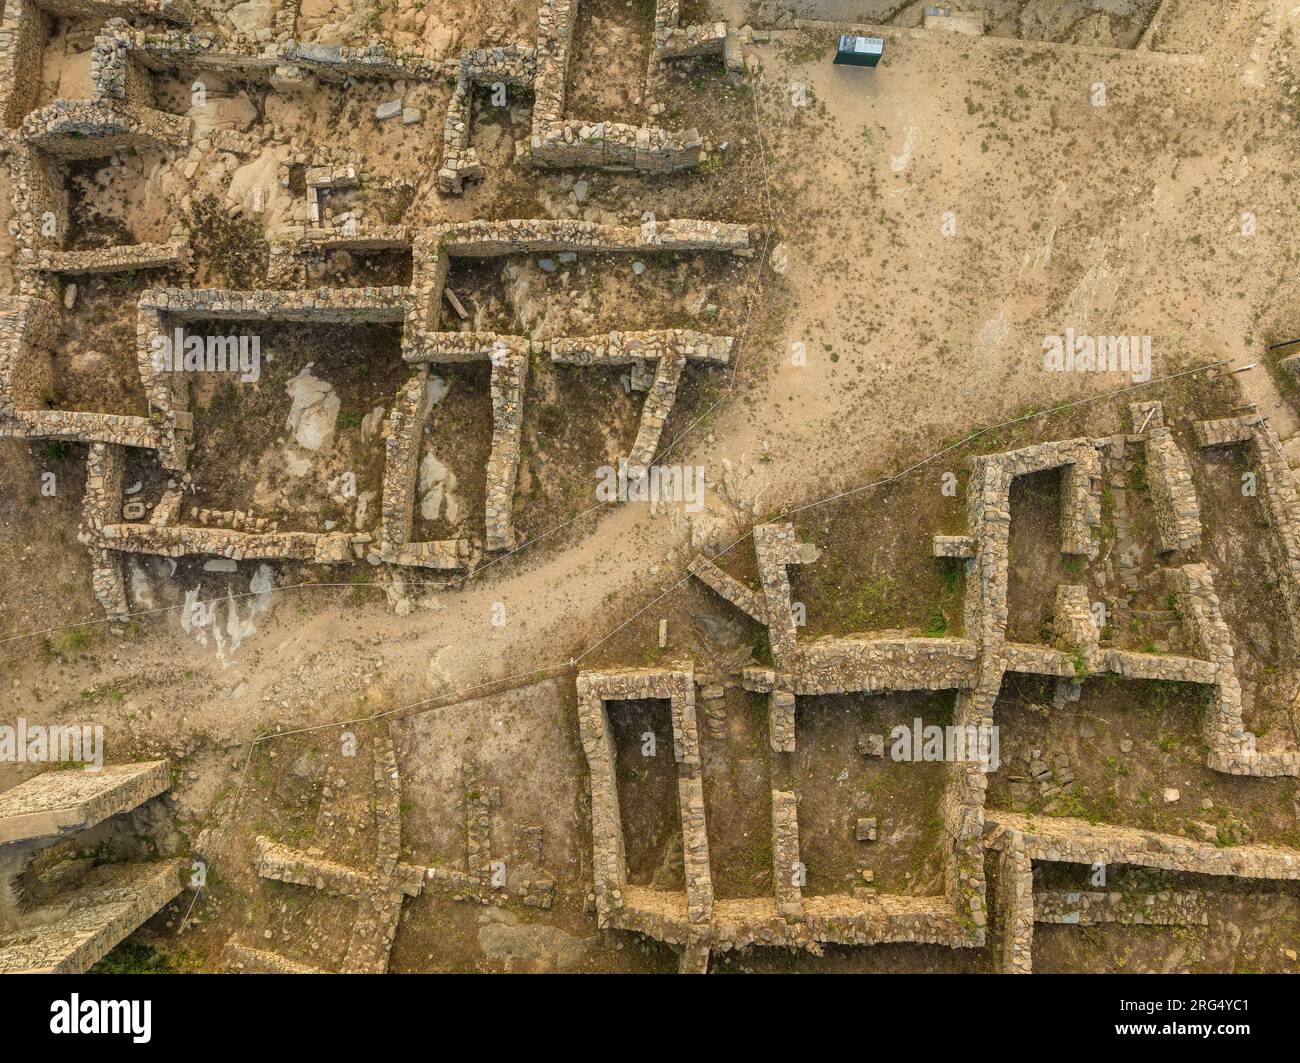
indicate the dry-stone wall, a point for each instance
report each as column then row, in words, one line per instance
column 1232, row 748
column 286, row 64
column 557, row 142
column 668, row 350
column 24, row 29
column 785, row 854
column 1178, row 512
column 29, row 327
column 975, row 666
column 93, row 129
column 1280, row 496
column 406, row 423
column 1091, row 908
column 112, row 259
column 92, row 911
column 509, row 372
column 1074, row 841
column 675, row 41
column 378, row 889
column 102, row 507
column 684, row 919
column 513, row 66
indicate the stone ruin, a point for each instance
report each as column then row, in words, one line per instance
column 661, row 356
column 120, row 116
column 63, row 917
column 380, row 888
column 974, row 667
column 559, row 142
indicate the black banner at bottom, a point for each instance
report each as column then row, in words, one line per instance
column 143, row 1012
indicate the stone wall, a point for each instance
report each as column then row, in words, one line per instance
column 1075, row 841
column 95, row 129
column 509, row 372
column 92, row 909
column 29, row 328
column 1279, row 495
column 675, row 41
column 328, row 305
column 40, row 202
column 627, row 348
column 728, row 587
column 118, row 429
column 1232, row 748
column 1015, row 894
column 1281, row 498
column 785, row 855
column 512, row 66
column 56, row 803
column 118, row 259
column 962, row 806
column 178, row 12
column 380, row 885
column 406, row 422
column 680, row 919
column 1092, row 908
column 989, row 504
column 116, row 75
column 557, row 142
column 290, row 63
column 608, row 856
column 102, row 506
column 82, row 926
column 283, row 863
column 24, row 29
column 841, row 665
column 319, row 548
column 1177, row 510
column 1020, row 840
column 668, row 349
column 1073, row 628
column 526, row 236
column 975, row 666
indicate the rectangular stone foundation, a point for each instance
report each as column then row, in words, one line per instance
column 60, row 802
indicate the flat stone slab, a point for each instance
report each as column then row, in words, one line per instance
column 58, row 802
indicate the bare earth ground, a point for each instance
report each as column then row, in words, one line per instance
column 1122, row 218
